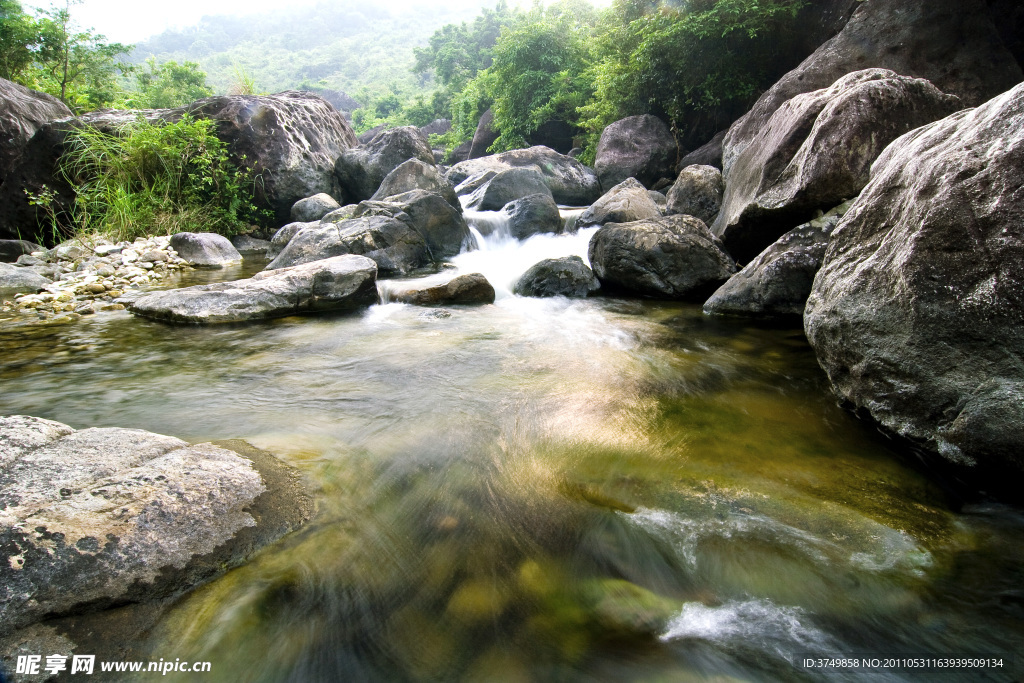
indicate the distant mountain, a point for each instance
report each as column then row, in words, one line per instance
column 357, row 48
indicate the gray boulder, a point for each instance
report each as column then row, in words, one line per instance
column 12, row 250
column 415, row 174
column 342, row 283
column 484, row 136
column 640, row 147
column 698, row 192
column 440, row 224
column 436, row 127
column 674, row 257
column 367, row 136
column 464, row 289
column 951, row 43
column 360, row 171
column 292, row 139
column 532, row 215
column 247, row 245
column 625, row 203
column 708, row 154
column 100, row 517
column 917, row 313
column 283, row 236
column 777, row 283
column 816, row 151
column 22, row 113
column 392, row 244
column 313, row 208
column 205, row 249
column 571, row 183
column 19, row 280
column 568, row 276
column 506, row 186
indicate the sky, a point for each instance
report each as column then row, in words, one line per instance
column 131, row 21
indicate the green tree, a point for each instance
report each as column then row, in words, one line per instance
column 167, row 85
column 18, row 39
column 77, row 66
column 456, row 53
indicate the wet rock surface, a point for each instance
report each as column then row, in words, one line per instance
column 568, row 276
column 472, row 288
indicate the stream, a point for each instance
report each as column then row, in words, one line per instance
column 546, row 490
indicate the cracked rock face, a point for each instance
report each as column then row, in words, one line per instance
column 98, row 517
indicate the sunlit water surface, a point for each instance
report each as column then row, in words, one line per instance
column 544, row 490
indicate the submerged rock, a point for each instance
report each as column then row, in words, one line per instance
column 816, row 151
column 568, row 276
column 640, row 147
column 917, row 313
column 391, row 243
column 205, row 249
column 101, row 517
column 341, row 283
column 464, row 289
column 777, row 283
column 674, row 257
column 313, row 208
column 627, row 202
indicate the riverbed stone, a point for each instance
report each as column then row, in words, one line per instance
column 568, row 276
column 777, row 283
column 19, row 280
column 247, row 245
column 507, row 186
column 674, row 257
column 440, row 224
column 201, row 249
column 391, row 243
column 100, row 517
column 341, row 283
column 640, row 147
column 917, row 313
column 698, row 192
column 313, row 208
column 816, row 151
column 532, row 215
column 571, row 183
column 625, row 203
column 416, row 174
column 11, row 250
column 472, row 288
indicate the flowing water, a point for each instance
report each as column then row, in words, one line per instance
column 545, row 490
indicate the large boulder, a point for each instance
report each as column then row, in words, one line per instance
column 506, row 186
column 313, row 208
column 392, row 244
column 440, row 224
column 816, row 150
column 640, row 147
column 100, row 517
column 290, row 139
column 627, row 202
column 571, row 183
column 464, row 289
column 708, row 154
column 484, row 137
column 532, row 215
column 917, row 313
column 283, row 236
column 568, row 276
column 205, row 249
column 416, row 174
column 342, row 283
column 698, row 192
column 951, row 43
column 361, row 170
column 19, row 280
column 777, row 283
column 675, row 257
column 22, row 113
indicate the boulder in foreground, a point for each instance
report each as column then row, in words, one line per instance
column 464, row 289
column 917, row 313
column 342, row 283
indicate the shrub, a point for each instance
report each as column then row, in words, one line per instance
column 157, row 178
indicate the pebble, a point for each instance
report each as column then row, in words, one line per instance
column 89, row 276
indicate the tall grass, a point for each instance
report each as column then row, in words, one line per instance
column 157, row 178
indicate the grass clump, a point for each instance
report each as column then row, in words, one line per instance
column 157, row 178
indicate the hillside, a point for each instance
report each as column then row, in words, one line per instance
column 364, row 50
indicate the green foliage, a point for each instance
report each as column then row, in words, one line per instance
column 18, row 40
column 151, row 178
column 456, row 53
column 167, row 85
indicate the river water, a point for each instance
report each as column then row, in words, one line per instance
column 546, row 490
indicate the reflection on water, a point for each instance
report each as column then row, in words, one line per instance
column 537, row 490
